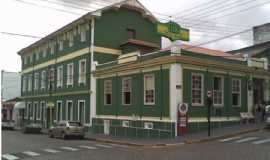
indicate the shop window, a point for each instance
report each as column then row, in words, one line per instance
column 218, row 91
column 126, row 91
column 197, row 89
column 236, row 92
column 108, row 92
column 82, row 71
column 149, row 89
column 70, row 72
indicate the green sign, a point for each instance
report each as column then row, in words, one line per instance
column 173, row 31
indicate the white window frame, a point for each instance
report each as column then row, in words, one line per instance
column 78, row 118
column 222, row 92
column 71, row 79
column 36, row 81
column 43, row 80
column 240, row 90
column 30, row 82
column 52, row 49
column 83, row 34
column 81, row 75
column 57, row 111
column 61, row 45
column 42, row 110
column 71, row 39
column 107, row 92
column 59, row 76
column 144, row 89
column 71, row 111
column 123, row 92
column 202, row 89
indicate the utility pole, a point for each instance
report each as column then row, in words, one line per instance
column 209, row 104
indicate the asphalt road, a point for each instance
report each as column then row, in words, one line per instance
column 15, row 145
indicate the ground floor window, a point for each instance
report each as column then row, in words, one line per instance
column 197, row 89
column 42, row 110
column 218, row 91
column 236, row 92
column 107, row 92
column 126, row 91
column 81, row 111
column 149, row 89
column 69, row 110
column 58, row 111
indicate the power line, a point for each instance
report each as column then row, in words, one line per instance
column 22, row 35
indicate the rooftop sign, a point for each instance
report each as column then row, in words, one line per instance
column 173, row 31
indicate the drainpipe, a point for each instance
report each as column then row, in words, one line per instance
column 92, row 68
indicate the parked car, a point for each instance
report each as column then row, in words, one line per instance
column 8, row 125
column 65, row 129
column 32, row 128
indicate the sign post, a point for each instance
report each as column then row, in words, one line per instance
column 209, row 103
column 182, row 119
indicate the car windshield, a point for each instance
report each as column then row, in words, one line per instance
column 74, row 124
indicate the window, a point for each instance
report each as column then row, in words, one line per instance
column 60, row 76
column 131, row 33
column 61, row 45
column 126, row 91
column 59, row 111
column 81, row 111
column 82, row 71
column 43, row 79
column 30, row 82
column 83, row 34
column 69, row 111
column 148, row 125
column 42, row 110
column 51, row 79
column 70, row 72
column 108, row 92
column 71, row 39
column 29, row 111
column 36, row 81
column 24, row 83
column 31, row 58
column 218, row 91
column 52, row 49
column 37, row 56
column 236, row 92
column 149, row 89
column 125, row 123
column 44, row 53
column 197, row 89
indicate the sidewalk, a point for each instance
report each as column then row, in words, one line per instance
column 189, row 138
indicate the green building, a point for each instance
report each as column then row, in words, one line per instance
column 107, row 70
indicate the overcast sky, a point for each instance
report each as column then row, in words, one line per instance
column 207, row 19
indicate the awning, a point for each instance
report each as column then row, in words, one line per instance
column 19, row 105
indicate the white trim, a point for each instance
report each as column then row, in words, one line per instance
column 71, row 80
column 92, row 77
column 80, row 80
column 154, row 119
column 130, row 90
column 57, row 111
column 78, row 118
column 202, row 90
column 213, row 119
column 222, row 91
column 59, row 77
column 71, row 111
column 154, row 98
column 240, row 86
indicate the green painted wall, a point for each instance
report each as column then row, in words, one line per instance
column 160, row 109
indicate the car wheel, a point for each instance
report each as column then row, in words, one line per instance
column 63, row 135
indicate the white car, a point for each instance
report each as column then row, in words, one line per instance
column 268, row 122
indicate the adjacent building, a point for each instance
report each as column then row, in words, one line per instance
column 108, row 71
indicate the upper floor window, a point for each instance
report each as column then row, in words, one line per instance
column 83, row 35
column 44, row 52
column 131, row 33
column 82, row 71
column 51, row 78
column 70, row 72
column 197, row 89
column 37, row 56
column 60, row 76
column 36, row 81
column 31, row 58
column 108, row 92
column 24, row 83
column 71, row 39
column 126, row 90
column 218, row 91
column 236, row 92
column 52, row 49
column 43, row 80
column 30, row 82
column 149, row 89
column 61, row 45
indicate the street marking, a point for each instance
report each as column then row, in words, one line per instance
column 29, row 153
column 262, row 141
column 119, row 145
column 51, row 150
column 102, row 145
column 9, row 157
column 229, row 139
column 88, row 147
column 70, row 148
column 246, row 139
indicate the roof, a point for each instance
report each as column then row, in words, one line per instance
column 131, row 4
column 141, row 43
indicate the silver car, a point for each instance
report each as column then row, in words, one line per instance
column 65, row 129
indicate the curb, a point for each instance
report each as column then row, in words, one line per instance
column 115, row 142
column 222, row 137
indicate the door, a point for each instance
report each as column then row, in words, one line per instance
column 106, row 127
column 81, row 112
